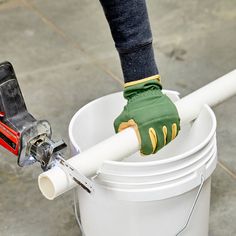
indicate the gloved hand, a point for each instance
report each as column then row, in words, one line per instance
column 151, row 113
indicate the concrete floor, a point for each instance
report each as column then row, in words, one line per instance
column 64, row 57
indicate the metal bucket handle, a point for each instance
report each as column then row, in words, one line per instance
column 78, row 218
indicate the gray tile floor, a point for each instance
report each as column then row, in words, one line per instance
column 64, row 57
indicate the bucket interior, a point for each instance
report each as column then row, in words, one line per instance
column 94, row 123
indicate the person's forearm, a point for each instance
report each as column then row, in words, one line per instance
column 130, row 28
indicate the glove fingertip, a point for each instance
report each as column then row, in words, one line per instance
column 116, row 125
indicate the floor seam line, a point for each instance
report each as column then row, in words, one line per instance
column 228, row 171
column 70, row 40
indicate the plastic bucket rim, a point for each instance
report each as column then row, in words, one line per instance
column 208, row 152
column 212, row 156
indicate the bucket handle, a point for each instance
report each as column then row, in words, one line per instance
column 76, row 210
column 78, row 218
column 193, row 206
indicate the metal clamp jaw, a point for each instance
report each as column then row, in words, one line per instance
column 37, row 145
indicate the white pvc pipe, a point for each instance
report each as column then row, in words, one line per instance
column 54, row 182
column 211, row 94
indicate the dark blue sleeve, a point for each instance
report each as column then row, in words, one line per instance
column 130, row 29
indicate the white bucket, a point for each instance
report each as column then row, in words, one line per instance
column 165, row 194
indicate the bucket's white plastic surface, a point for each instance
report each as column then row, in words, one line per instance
column 152, row 195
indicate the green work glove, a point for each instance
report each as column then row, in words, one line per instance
column 151, row 113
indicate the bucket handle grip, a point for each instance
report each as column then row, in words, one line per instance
column 193, row 206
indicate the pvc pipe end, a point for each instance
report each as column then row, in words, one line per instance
column 54, row 182
column 46, row 186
